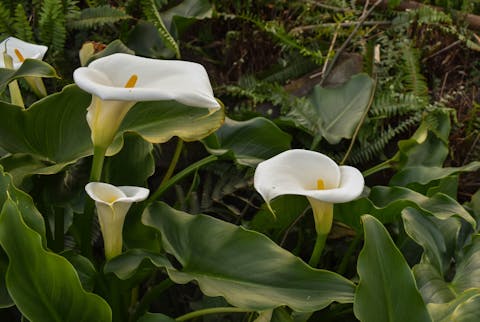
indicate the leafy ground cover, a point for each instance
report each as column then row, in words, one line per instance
column 385, row 89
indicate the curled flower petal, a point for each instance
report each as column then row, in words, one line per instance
column 112, row 205
column 20, row 50
column 158, row 80
column 297, row 172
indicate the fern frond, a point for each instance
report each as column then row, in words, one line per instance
column 5, row 20
column 151, row 12
column 390, row 104
column 97, row 17
column 22, row 26
column 367, row 151
column 413, row 80
column 428, row 16
column 52, row 24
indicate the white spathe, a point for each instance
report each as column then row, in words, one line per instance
column 26, row 49
column 112, row 205
column 297, row 172
column 154, row 80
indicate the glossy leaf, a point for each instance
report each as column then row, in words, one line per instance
column 127, row 264
column 54, row 129
column 387, row 291
column 155, row 317
column 335, row 112
column 386, row 204
column 248, row 142
column 463, row 309
column 30, row 67
column 158, row 122
column 43, row 285
column 245, row 267
column 424, row 232
column 136, row 156
column 424, row 174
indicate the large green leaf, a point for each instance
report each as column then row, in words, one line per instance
column 387, row 291
column 386, row 204
column 245, row 267
column 43, row 285
column 335, row 112
column 30, row 67
column 55, row 131
column 136, row 156
column 127, row 264
column 155, row 317
column 424, row 231
column 426, row 174
column 463, row 309
column 248, row 142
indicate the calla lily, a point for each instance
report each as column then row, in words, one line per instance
column 17, row 51
column 118, row 81
column 313, row 175
column 20, row 50
column 112, row 205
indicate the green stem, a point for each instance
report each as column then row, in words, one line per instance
column 379, row 167
column 151, row 295
column 59, row 225
column 15, row 94
column 212, row 310
column 346, row 257
column 167, row 184
column 173, row 163
column 317, row 250
column 88, row 213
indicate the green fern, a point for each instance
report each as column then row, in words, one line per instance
column 151, row 12
column 5, row 20
column 23, row 30
column 52, row 24
column 97, row 17
column 413, row 80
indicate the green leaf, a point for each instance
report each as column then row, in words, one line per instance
column 336, row 111
column 158, row 122
column 426, row 174
column 5, row 299
column 387, row 291
column 53, row 129
column 423, row 230
column 463, row 309
column 136, row 155
column 30, row 67
column 248, row 142
column 245, row 267
column 156, row 317
column 44, row 285
column 127, row 264
column 386, row 204
column 97, row 17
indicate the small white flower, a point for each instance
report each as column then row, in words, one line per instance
column 20, row 50
column 310, row 174
column 118, row 81
column 112, row 205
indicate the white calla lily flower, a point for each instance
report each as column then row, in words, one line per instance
column 313, row 175
column 118, row 81
column 20, row 50
column 112, row 205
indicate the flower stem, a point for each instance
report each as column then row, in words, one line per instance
column 173, row 163
column 212, row 310
column 167, row 184
column 15, row 94
column 88, row 213
column 323, row 216
column 317, row 250
column 151, row 295
column 379, row 167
